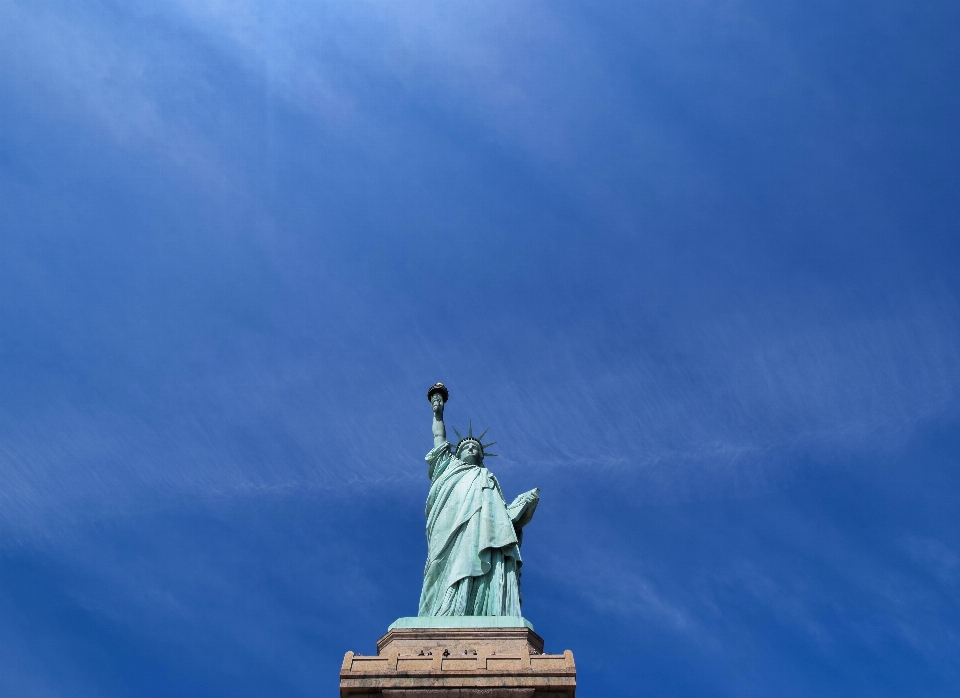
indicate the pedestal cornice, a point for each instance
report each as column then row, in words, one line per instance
column 471, row 662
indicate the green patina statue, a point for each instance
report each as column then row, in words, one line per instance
column 473, row 535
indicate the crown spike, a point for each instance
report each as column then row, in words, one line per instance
column 456, row 432
column 489, row 444
column 470, row 432
column 491, row 455
column 480, row 438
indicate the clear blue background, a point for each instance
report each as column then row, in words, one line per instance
column 695, row 264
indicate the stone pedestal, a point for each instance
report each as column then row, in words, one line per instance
column 439, row 658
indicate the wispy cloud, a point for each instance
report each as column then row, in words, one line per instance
column 936, row 557
column 613, row 584
column 728, row 415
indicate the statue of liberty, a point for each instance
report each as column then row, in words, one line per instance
column 473, row 535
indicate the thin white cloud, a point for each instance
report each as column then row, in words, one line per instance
column 611, row 583
column 728, row 419
column 936, row 557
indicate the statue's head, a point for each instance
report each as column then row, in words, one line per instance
column 470, row 450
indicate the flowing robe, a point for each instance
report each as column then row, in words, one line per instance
column 473, row 558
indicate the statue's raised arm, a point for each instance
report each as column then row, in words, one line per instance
column 438, row 395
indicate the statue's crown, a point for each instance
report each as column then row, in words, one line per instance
column 476, row 440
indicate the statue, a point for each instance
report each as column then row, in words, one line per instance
column 473, row 535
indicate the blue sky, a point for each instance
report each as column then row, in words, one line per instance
column 694, row 264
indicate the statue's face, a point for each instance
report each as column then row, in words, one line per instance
column 470, row 453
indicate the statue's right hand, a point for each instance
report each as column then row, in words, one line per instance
column 437, row 403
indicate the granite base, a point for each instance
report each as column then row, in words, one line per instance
column 460, row 661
